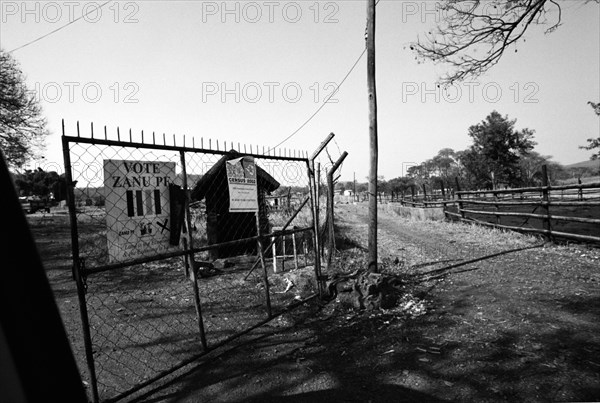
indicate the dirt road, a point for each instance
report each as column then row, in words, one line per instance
column 521, row 324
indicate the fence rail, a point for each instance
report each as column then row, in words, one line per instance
column 556, row 211
column 567, row 211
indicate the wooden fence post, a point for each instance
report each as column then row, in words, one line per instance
column 546, row 201
column 443, row 197
column 497, row 207
column 458, row 196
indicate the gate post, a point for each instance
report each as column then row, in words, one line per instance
column 315, row 214
column 78, row 268
column 330, row 207
column 315, row 209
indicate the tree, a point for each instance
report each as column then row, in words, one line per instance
column 474, row 34
column 22, row 127
column 556, row 172
column 446, row 166
column 593, row 143
column 418, row 174
column 37, row 183
column 531, row 168
column 382, row 184
column 475, row 173
column 361, row 187
column 400, row 185
column 346, row 185
column 496, row 151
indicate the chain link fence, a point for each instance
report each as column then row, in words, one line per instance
column 166, row 268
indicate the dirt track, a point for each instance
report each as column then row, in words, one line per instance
column 522, row 323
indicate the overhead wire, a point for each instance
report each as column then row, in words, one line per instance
column 326, row 99
column 59, row 28
column 271, row 148
column 322, row 105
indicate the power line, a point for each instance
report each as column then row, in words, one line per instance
column 323, row 104
column 327, row 99
column 59, row 28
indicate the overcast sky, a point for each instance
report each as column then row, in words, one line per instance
column 254, row 72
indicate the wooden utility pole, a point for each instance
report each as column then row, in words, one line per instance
column 354, row 197
column 372, row 136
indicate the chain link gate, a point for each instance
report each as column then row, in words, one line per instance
column 147, row 314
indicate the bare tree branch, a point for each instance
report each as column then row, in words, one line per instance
column 474, row 34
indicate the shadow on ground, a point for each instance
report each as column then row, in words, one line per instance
column 453, row 353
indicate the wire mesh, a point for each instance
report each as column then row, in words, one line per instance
column 142, row 316
column 142, row 321
column 121, row 210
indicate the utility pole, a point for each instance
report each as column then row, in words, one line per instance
column 354, row 189
column 372, row 136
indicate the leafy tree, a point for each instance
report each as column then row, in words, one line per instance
column 22, row 127
column 475, row 173
column 496, row 151
column 474, row 34
column 361, row 187
column 37, row 183
column 400, row 185
column 556, row 172
column 594, row 143
column 345, row 185
column 531, row 169
column 445, row 165
column 419, row 174
column 382, row 184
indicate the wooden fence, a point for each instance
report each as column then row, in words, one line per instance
column 433, row 198
column 558, row 212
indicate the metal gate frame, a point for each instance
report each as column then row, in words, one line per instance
column 80, row 272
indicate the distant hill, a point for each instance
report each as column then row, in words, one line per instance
column 585, row 164
column 586, row 171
